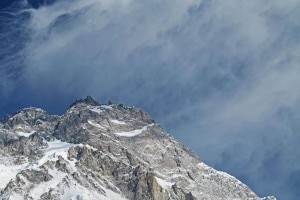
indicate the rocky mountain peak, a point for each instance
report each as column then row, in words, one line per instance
column 96, row 151
column 26, row 116
column 88, row 101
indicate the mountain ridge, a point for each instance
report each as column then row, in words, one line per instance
column 98, row 151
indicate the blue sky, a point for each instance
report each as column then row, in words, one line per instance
column 221, row 76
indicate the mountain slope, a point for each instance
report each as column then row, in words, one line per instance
column 98, row 151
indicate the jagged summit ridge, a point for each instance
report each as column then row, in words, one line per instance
column 88, row 100
column 96, row 151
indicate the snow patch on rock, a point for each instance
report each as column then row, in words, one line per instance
column 95, row 124
column 25, row 134
column 8, row 172
column 134, row 132
column 97, row 109
column 163, row 183
column 117, row 122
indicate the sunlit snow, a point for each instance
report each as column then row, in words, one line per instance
column 106, row 107
column 95, row 124
column 117, row 122
column 97, row 109
column 134, row 132
column 7, row 172
column 54, row 149
column 163, row 183
column 25, row 134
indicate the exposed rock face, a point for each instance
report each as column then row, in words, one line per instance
column 98, row 151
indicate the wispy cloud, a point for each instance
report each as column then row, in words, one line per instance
column 222, row 75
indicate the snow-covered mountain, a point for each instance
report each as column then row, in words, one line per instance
column 108, row 152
